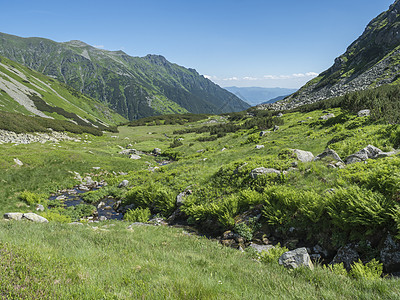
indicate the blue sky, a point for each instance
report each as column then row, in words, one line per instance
column 265, row 43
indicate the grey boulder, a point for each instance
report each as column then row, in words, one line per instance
column 346, row 255
column 303, row 156
column 328, row 153
column 295, row 259
column 34, row 218
column 390, row 255
column 13, row 216
column 263, row 171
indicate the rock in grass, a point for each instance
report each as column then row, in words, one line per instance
column 34, row 218
column 13, row 216
column 303, row 156
column 258, row 147
column 262, row 171
column 134, row 156
column 328, row 153
column 364, row 154
column 123, row 183
column 296, row 258
column 327, row 117
column 364, row 113
column 18, row 162
column 346, row 255
column 390, row 255
column 261, row 248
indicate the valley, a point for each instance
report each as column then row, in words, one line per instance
column 132, row 177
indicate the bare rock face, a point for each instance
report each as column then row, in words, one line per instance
column 34, row 218
column 295, row 259
column 369, row 60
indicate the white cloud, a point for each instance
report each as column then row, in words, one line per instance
column 312, row 74
column 99, row 46
column 250, row 78
column 231, row 79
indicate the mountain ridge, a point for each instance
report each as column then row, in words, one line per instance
column 135, row 87
column 372, row 60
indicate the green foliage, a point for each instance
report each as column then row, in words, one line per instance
column 337, row 269
column 354, row 206
column 176, row 143
column 169, row 120
column 273, row 254
column 371, row 270
column 382, row 102
column 137, row 215
column 247, row 229
column 379, row 175
column 37, row 124
column 79, row 211
column 290, row 207
column 32, row 198
column 172, row 154
column 95, row 196
column 158, row 198
column 56, row 216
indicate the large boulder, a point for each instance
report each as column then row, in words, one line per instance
column 13, row 216
column 390, row 255
column 303, row 156
column 295, row 259
column 346, row 255
column 364, row 154
column 263, row 171
column 34, row 218
column 329, row 153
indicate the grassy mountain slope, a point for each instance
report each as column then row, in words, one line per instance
column 134, row 87
column 27, row 92
column 370, row 61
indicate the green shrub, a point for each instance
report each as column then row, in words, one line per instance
column 137, row 215
column 32, row 198
column 273, row 254
column 55, row 216
column 247, row 229
column 291, row 207
column 158, row 198
column 371, row 270
column 355, row 206
column 79, row 211
column 337, row 269
column 95, row 196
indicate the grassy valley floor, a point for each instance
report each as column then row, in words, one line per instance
column 107, row 261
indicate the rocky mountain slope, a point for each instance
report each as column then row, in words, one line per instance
column 134, row 87
column 27, row 92
column 371, row 61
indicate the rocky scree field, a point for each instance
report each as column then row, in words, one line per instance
column 261, row 182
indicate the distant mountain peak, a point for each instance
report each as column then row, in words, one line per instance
column 135, row 87
column 77, row 43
